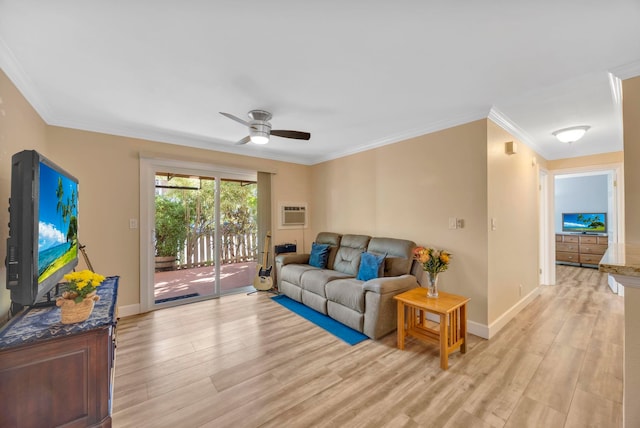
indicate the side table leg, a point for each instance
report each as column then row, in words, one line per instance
column 400, row 325
column 444, row 340
column 463, row 328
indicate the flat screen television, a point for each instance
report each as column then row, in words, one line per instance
column 584, row 222
column 43, row 227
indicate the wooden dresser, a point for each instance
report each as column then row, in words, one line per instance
column 54, row 374
column 580, row 249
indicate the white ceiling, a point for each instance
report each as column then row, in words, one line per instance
column 356, row 74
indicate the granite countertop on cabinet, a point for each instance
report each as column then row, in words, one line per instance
column 621, row 259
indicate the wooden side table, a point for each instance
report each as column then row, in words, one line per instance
column 413, row 305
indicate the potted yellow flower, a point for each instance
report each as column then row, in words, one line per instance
column 433, row 262
column 76, row 304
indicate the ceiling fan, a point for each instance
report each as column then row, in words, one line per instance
column 260, row 128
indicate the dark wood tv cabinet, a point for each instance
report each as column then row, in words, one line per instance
column 53, row 374
column 581, row 249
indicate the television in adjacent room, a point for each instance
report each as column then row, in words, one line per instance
column 43, row 227
column 584, row 222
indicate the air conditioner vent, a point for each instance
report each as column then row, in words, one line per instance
column 293, row 215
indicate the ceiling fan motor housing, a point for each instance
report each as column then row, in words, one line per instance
column 259, row 115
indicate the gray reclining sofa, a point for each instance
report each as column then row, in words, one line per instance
column 335, row 290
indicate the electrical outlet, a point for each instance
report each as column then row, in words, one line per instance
column 133, row 223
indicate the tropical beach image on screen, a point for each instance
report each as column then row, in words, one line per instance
column 582, row 222
column 58, row 221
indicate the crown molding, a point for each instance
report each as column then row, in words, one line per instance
column 627, row 71
column 21, row 80
column 504, row 122
column 416, row 132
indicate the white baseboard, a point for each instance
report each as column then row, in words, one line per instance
column 127, row 311
column 477, row 329
column 488, row 331
column 503, row 319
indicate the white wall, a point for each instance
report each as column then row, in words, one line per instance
column 575, row 194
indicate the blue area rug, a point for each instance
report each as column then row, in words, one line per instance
column 171, row 299
column 334, row 327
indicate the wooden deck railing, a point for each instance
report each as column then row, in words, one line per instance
column 235, row 248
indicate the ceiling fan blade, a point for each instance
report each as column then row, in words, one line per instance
column 297, row 135
column 237, row 119
column 245, row 140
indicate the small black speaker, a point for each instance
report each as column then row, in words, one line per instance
column 285, row 248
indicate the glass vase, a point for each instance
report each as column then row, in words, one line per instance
column 432, row 284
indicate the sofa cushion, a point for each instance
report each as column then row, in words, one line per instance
column 319, row 255
column 293, row 273
column 399, row 254
column 348, row 255
column 316, row 279
column 371, row 266
column 333, row 239
column 347, row 292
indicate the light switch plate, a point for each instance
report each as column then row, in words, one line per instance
column 453, row 223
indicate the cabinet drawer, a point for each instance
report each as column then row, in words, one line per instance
column 592, row 249
column 567, row 247
column 570, row 238
column 592, row 259
column 603, row 240
column 558, row 238
column 568, row 257
column 588, row 239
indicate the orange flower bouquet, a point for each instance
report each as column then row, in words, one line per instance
column 433, row 262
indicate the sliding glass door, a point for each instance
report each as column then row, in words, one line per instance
column 199, row 239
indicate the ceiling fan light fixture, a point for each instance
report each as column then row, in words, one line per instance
column 259, row 139
column 259, row 132
column 572, row 134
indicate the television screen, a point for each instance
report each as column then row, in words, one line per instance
column 57, row 221
column 43, row 227
column 584, row 222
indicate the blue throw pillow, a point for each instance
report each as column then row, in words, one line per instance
column 319, row 255
column 370, row 266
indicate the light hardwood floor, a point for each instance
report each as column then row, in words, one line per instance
column 244, row 361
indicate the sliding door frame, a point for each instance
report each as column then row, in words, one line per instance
column 149, row 166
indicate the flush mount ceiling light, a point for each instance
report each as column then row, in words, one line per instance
column 570, row 135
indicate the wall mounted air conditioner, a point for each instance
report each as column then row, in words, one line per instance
column 293, row 216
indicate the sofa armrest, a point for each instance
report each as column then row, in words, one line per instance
column 292, row 258
column 391, row 284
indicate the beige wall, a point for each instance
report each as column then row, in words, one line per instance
column 631, row 120
column 586, row 161
column 409, row 190
column 20, row 128
column 513, row 202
